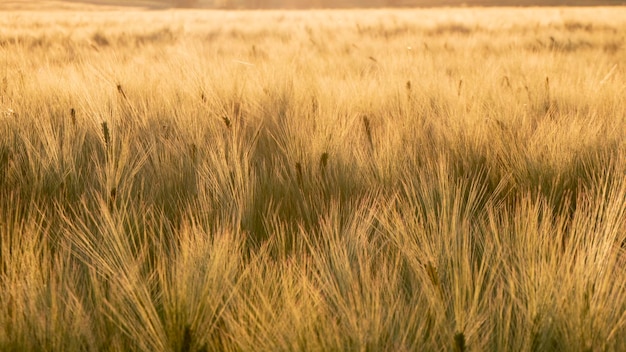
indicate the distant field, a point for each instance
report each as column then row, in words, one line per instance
column 285, row 4
column 354, row 180
column 64, row 5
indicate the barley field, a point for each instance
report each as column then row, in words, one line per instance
column 347, row 180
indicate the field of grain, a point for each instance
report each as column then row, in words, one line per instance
column 363, row 180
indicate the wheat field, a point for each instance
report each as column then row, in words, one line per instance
column 350, row 180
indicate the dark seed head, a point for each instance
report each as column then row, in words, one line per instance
column 366, row 123
column 186, row 346
column 73, row 116
column 194, row 151
column 106, row 134
column 323, row 161
column 431, row 271
column 299, row 173
column 226, row 121
column 121, row 91
column 368, row 131
column 459, row 342
column 112, row 196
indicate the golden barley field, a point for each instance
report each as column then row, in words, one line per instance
column 351, row 180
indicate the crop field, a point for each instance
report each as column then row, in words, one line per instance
column 346, row 180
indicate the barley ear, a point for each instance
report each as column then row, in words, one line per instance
column 299, row 173
column 186, row 345
column 106, row 134
column 459, row 342
column 548, row 101
column 226, row 121
column 368, row 131
column 431, row 271
column 73, row 116
column 121, row 91
column 323, row 163
column 112, row 197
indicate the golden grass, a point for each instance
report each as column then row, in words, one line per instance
column 327, row 180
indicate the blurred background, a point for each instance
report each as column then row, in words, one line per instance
column 383, row 3
column 295, row 4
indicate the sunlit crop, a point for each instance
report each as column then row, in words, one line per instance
column 354, row 180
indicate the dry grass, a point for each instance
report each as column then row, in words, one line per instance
column 328, row 180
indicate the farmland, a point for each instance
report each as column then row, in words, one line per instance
column 367, row 180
